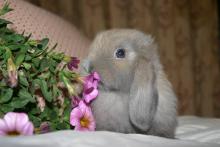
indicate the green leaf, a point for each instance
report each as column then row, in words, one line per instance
column 6, row 108
column 56, row 91
column 23, row 80
column 5, row 9
column 35, row 84
column 19, row 102
column 43, row 43
column 63, row 126
column 35, row 111
column 6, row 96
column 4, row 23
column 27, row 38
column 27, row 66
column 52, row 114
column 44, row 64
column 24, row 94
column 7, row 53
column 58, row 56
column 66, row 114
column 53, row 127
column 44, row 89
column 36, row 120
column 45, row 75
column 32, row 43
column 68, row 74
column 16, row 47
column 15, row 38
column 28, row 57
column 52, row 65
column 19, row 59
column 45, row 114
column 2, row 50
column 36, row 62
column 1, row 113
column 3, row 84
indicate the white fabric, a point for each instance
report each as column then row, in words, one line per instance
column 192, row 132
column 199, row 129
column 97, row 139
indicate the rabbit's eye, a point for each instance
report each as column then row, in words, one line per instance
column 120, row 53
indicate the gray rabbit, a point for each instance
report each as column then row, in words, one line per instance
column 134, row 95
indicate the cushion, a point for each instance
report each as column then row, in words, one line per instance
column 41, row 23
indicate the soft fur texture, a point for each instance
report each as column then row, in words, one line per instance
column 135, row 95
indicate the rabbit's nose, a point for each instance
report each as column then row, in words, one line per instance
column 87, row 65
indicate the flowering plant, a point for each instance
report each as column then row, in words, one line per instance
column 40, row 89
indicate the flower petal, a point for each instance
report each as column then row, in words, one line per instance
column 76, row 112
column 83, row 107
column 75, row 122
column 84, row 129
column 89, row 115
column 91, row 96
column 92, row 80
column 2, row 133
column 92, row 126
column 3, row 126
column 88, row 85
column 88, row 111
column 73, row 63
column 96, row 76
column 80, row 128
column 28, row 129
column 10, row 120
column 75, row 116
column 75, row 101
column 21, row 121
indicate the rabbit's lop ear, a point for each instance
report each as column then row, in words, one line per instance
column 143, row 95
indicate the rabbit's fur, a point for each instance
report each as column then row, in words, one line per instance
column 134, row 95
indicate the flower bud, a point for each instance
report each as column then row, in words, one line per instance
column 41, row 103
column 75, row 101
column 12, row 73
column 70, row 88
column 61, row 99
column 73, row 62
column 44, row 127
column 69, row 85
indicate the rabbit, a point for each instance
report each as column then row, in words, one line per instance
column 135, row 95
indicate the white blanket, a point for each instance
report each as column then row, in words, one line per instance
column 199, row 129
column 110, row 139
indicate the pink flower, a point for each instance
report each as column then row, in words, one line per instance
column 81, row 118
column 14, row 124
column 93, row 79
column 90, row 91
column 75, row 101
column 90, row 94
column 73, row 63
